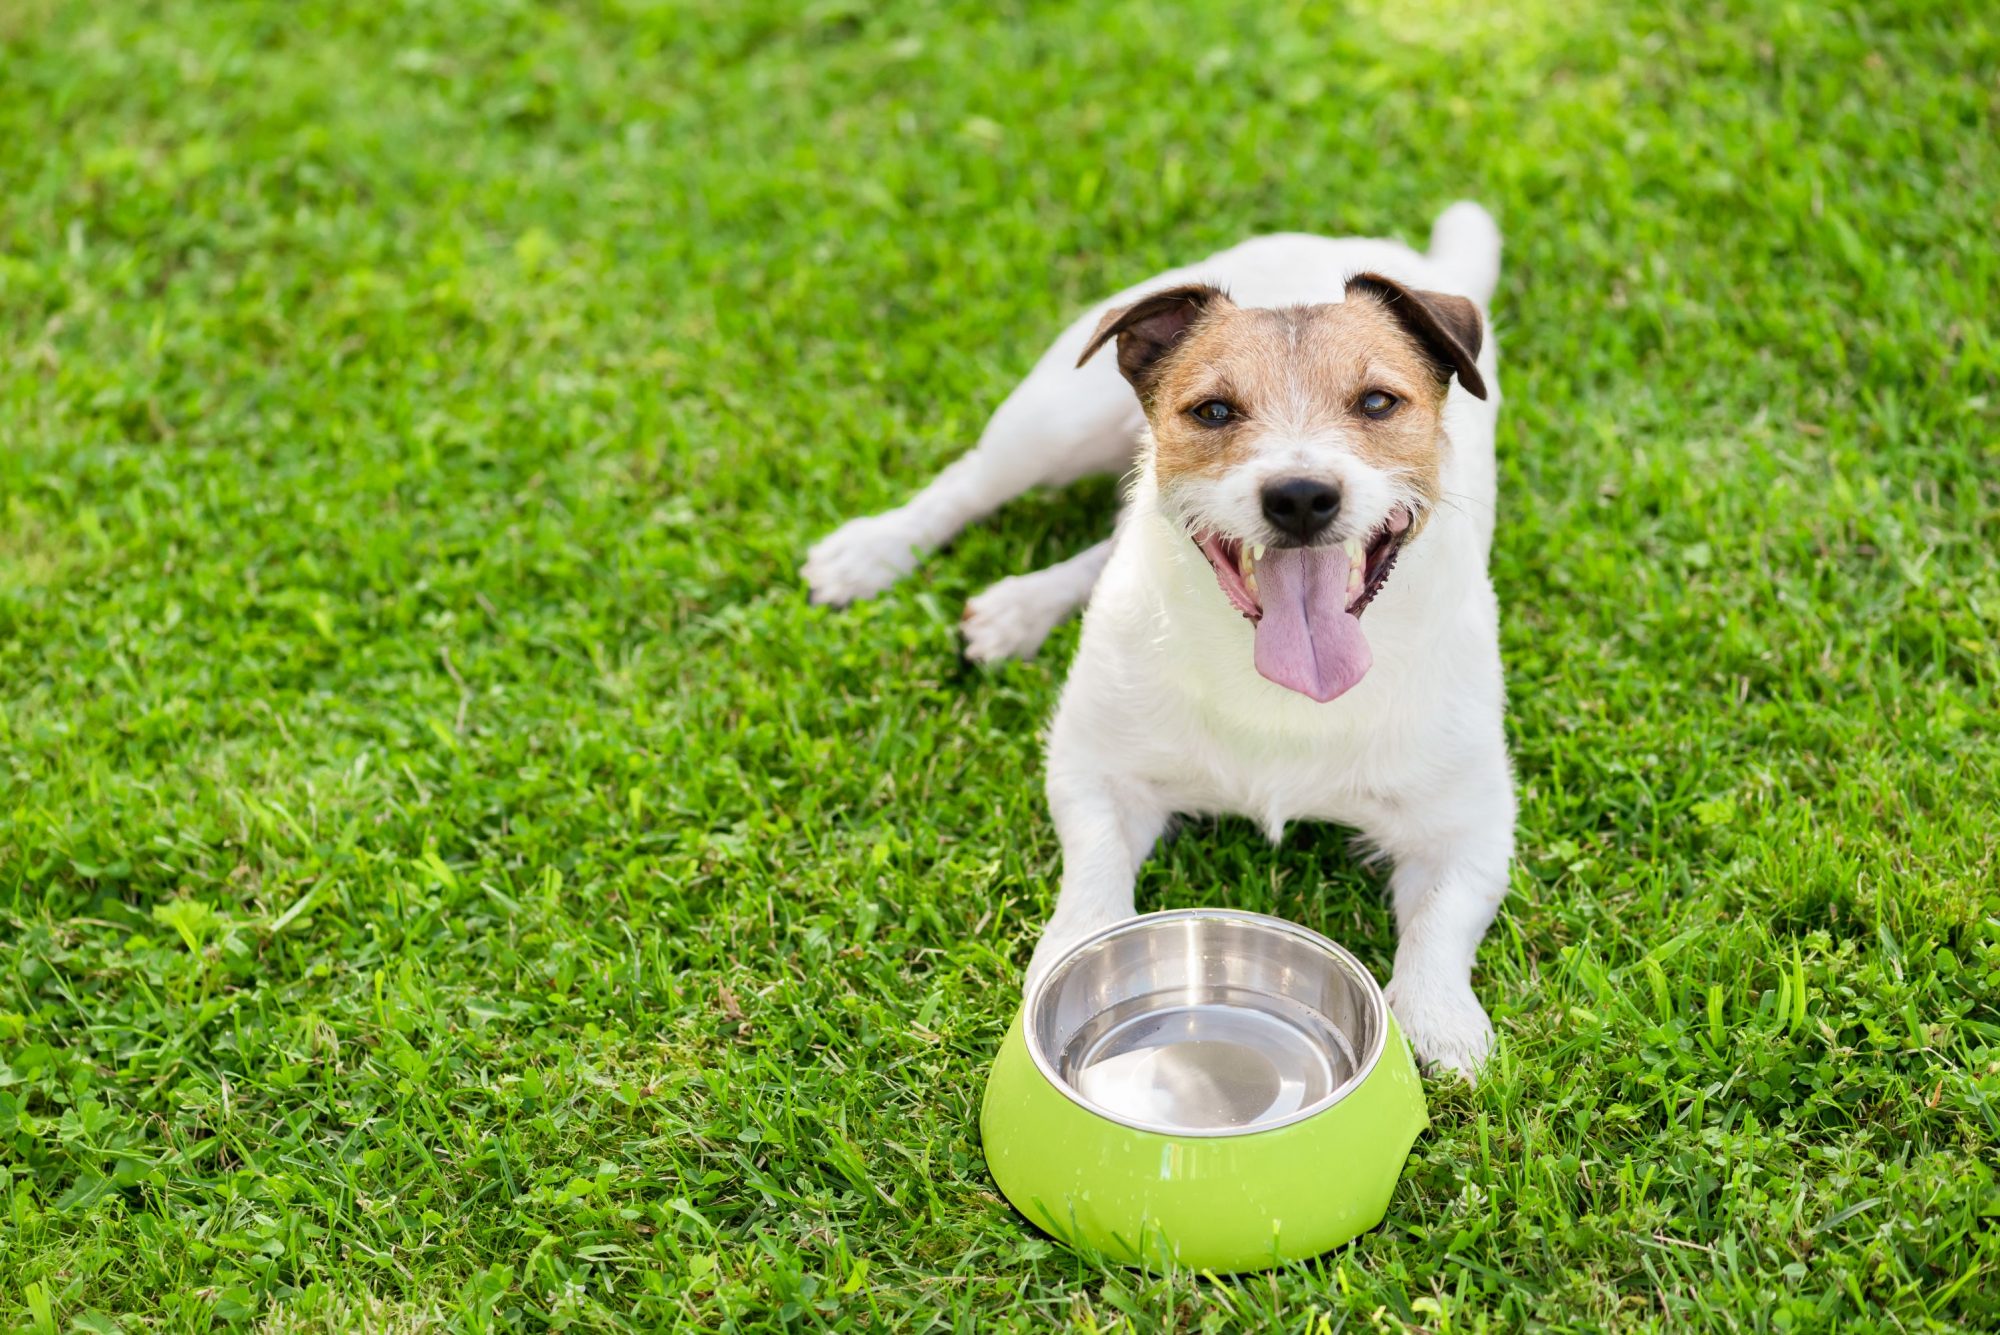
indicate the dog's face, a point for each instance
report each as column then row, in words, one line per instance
column 1300, row 447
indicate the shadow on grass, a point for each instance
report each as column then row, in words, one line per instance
column 1039, row 529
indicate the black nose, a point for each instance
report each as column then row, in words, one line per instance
column 1301, row 508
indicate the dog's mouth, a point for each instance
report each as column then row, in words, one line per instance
column 1306, row 602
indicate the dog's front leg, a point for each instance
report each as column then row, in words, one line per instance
column 1107, row 826
column 1450, row 876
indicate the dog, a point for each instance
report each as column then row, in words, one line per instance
column 1308, row 424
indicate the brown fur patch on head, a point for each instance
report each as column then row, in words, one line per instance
column 1300, row 373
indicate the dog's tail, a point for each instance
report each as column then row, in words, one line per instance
column 1465, row 243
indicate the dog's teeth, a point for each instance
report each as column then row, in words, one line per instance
column 1354, row 550
column 1257, row 552
column 1245, row 562
column 1250, row 583
column 1353, row 583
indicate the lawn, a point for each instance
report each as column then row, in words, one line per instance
column 449, row 876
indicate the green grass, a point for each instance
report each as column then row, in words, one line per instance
column 449, row 876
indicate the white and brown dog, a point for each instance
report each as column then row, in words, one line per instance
column 1298, row 438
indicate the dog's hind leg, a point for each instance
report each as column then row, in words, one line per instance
column 1062, row 423
column 1013, row 617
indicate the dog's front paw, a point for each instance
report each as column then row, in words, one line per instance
column 1445, row 1024
column 1010, row 620
column 859, row 559
column 1055, row 943
column 1062, row 935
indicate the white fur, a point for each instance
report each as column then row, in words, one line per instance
column 1011, row 619
column 1164, row 713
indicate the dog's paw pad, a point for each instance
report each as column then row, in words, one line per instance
column 859, row 559
column 1009, row 620
column 1446, row 1026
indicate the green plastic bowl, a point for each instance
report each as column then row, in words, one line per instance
column 1220, row 1090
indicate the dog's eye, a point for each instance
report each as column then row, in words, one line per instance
column 1379, row 403
column 1214, row 412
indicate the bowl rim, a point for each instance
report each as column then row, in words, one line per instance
column 1338, row 956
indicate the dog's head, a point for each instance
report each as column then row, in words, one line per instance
column 1300, row 447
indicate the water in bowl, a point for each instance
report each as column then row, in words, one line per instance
column 1208, row 1059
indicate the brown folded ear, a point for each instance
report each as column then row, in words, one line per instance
column 1447, row 326
column 1148, row 329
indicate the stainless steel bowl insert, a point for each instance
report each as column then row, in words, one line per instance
column 1206, row 1022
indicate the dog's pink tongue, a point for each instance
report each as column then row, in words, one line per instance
column 1306, row 640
